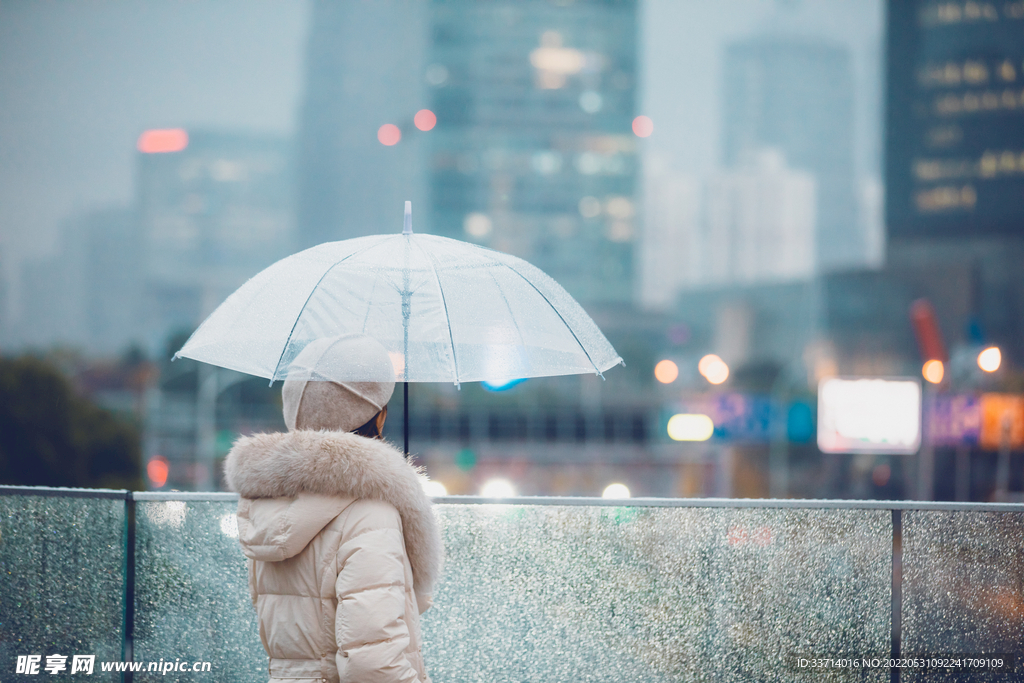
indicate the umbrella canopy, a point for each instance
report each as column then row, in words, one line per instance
column 445, row 310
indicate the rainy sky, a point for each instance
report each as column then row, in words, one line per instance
column 80, row 80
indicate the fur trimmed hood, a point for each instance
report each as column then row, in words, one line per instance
column 338, row 464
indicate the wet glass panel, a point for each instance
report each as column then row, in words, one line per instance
column 963, row 589
column 61, row 581
column 192, row 594
column 615, row 594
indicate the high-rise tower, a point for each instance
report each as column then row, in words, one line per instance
column 796, row 95
column 213, row 210
column 364, row 70
column 533, row 153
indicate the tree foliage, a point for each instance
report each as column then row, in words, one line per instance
column 52, row 436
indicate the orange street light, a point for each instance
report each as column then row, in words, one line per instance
column 713, row 369
column 990, row 359
column 666, row 371
column 933, row 371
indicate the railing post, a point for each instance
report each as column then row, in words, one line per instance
column 128, row 625
column 897, row 593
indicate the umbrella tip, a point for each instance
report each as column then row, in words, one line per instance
column 407, row 226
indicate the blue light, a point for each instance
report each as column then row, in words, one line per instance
column 499, row 385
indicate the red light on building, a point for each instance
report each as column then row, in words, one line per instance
column 162, row 141
column 157, row 470
column 926, row 328
column 643, row 126
column 425, row 119
column 389, row 135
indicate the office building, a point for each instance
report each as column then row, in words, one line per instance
column 796, row 95
column 670, row 257
column 364, row 70
column 213, row 210
column 759, row 223
column 533, row 153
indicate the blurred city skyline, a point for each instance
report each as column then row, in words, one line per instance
column 80, row 84
column 705, row 178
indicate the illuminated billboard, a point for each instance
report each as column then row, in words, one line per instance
column 869, row 415
column 955, row 117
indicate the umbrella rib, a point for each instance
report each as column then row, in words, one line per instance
column 444, row 304
column 559, row 314
column 369, row 305
column 306, row 303
column 508, row 306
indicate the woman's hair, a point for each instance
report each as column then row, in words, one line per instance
column 369, row 430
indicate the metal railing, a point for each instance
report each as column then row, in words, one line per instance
column 540, row 588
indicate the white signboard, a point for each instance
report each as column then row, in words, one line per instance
column 869, row 415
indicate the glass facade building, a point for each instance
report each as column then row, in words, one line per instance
column 533, row 153
column 211, row 215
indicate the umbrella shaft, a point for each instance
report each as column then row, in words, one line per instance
column 405, row 415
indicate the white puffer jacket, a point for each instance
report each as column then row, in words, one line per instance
column 344, row 552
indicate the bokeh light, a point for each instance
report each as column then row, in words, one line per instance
column 229, row 524
column 615, row 491
column 666, row 371
column 690, row 427
column 880, row 474
column 498, row 488
column 157, row 470
column 163, row 141
column 388, row 134
column 713, row 369
column 590, row 207
column 933, row 371
column 643, row 126
column 477, row 225
column 591, row 101
column 465, row 459
column 990, row 359
column 425, row 119
column 434, row 489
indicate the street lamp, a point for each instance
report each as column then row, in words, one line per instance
column 933, row 371
column 616, row 491
column 990, row 359
column 434, row 488
column 713, row 369
column 666, row 371
column 498, row 488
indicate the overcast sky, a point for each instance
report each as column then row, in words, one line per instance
column 80, row 80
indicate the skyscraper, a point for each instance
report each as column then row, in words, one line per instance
column 670, row 257
column 364, row 70
column 796, row 95
column 760, row 222
column 87, row 294
column 533, row 153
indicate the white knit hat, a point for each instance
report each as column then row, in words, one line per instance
column 317, row 393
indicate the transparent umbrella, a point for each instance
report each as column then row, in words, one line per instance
column 445, row 310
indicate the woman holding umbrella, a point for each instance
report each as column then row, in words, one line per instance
column 343, row 547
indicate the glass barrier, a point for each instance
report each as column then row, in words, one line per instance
column 559, row 590
column 963, row 590
column 192, row 593
column 62, row 583
column 617, row 594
